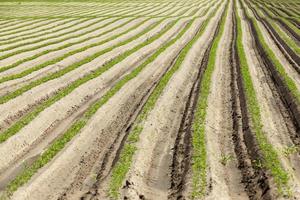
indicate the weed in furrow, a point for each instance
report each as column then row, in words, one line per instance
column 122, row 167
column 270, row 156
column 199, row 159
column 75, row 128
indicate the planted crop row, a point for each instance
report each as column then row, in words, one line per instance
column 11, row 23
column 23, row 24
column 50, row 43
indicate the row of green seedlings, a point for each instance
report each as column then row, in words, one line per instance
column 67, row 12
column 77, row 126
column 68, row 33
column 123, row 165
column 87, row 16
column 8, row 23
column 286, row 21
column 78, row 50
column 72, row 19
column 270, row 156
column 28, row 117
column 55, row 42
column 80, row 123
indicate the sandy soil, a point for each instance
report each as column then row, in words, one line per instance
column 97, row 141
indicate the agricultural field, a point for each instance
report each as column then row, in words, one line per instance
column 151, row 100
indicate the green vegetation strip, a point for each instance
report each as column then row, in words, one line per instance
column 122, row 167
column 81, row 122
column 77, row 50
column 199, row 160
column 30, row 116
column 270, row 157
column 292, row 26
